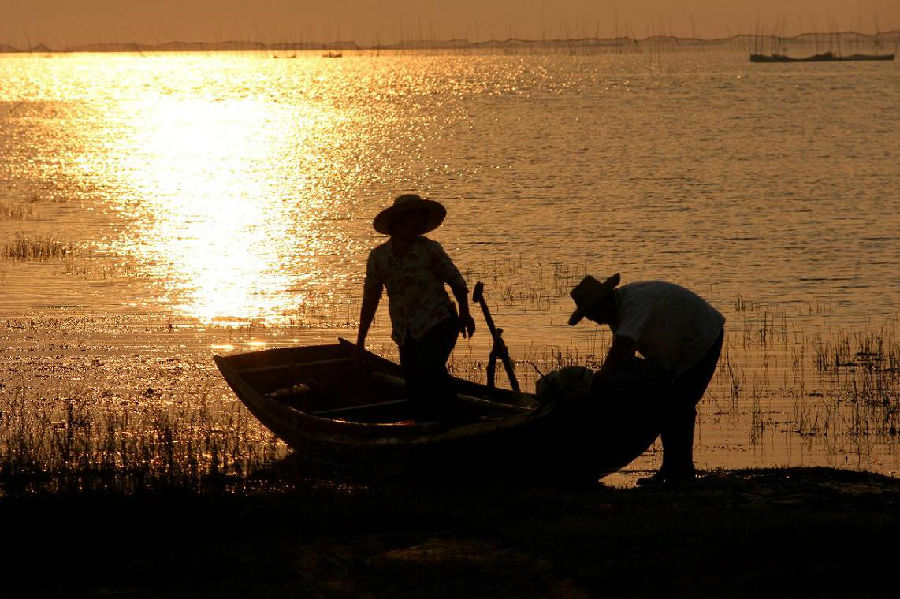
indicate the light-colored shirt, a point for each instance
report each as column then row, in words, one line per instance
column 672, row 326
column 415, row 286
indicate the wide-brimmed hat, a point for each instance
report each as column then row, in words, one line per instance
column 410, row 202
column 590, row 292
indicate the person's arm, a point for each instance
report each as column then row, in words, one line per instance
column 448, row 272
column 372, row 288
column 366, row 316
column 466, row 322
column 622, row 349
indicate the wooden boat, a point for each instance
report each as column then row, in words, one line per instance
column 823, row 57
column 331, row 408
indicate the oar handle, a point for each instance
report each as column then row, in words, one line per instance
column 478, row 298
column 499, row 350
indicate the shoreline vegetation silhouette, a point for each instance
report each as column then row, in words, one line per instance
column 836, row 42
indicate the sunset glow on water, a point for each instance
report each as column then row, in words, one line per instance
column 236, row 189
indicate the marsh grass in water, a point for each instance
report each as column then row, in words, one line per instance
column 835, row 393
column 15, row 211
column 80, row 409
column 119, row 444
column 133, row 403
column 40, row 248
column 519, row 283
column 838, row 390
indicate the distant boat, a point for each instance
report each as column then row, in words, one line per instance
column 823, row 57
column 333, row 55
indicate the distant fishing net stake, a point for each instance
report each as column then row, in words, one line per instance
column 499, row 349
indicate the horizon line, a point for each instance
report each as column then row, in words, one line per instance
column 422, row 44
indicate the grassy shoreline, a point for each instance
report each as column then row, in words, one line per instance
column 790, row 532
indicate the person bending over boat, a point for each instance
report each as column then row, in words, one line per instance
column 424, row 321
column 671, row 327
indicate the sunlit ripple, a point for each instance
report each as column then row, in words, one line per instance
column 211, row 179
column 245, row 186
column 235, row 187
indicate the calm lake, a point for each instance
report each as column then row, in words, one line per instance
column 177, row 205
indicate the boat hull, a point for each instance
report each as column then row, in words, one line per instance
column 359, row 419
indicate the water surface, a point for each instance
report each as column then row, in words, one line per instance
column 227, row 189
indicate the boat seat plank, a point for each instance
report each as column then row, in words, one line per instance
column 292, row 365
column 349, row 409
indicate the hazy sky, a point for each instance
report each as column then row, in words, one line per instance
column 67, row 22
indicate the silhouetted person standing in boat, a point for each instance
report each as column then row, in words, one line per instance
column 671, row 327
column 424, row 322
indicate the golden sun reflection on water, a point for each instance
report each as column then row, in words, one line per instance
column 217, row 202
column 232, row 188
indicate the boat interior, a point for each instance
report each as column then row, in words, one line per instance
column 330, row 384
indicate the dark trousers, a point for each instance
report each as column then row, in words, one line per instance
column 681, row 413
column 424, row 363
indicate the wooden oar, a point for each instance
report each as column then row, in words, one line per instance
column 499, row 349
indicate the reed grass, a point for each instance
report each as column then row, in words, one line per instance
column 534, row 288
column 15, row 211
column 39, row 248
column 171, row 421
column 127, row 444
column 772, row 377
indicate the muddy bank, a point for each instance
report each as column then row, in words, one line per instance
column 792, row 532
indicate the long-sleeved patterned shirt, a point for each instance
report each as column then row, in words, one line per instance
column 415, row 286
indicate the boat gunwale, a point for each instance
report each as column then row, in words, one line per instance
column 281, row 419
